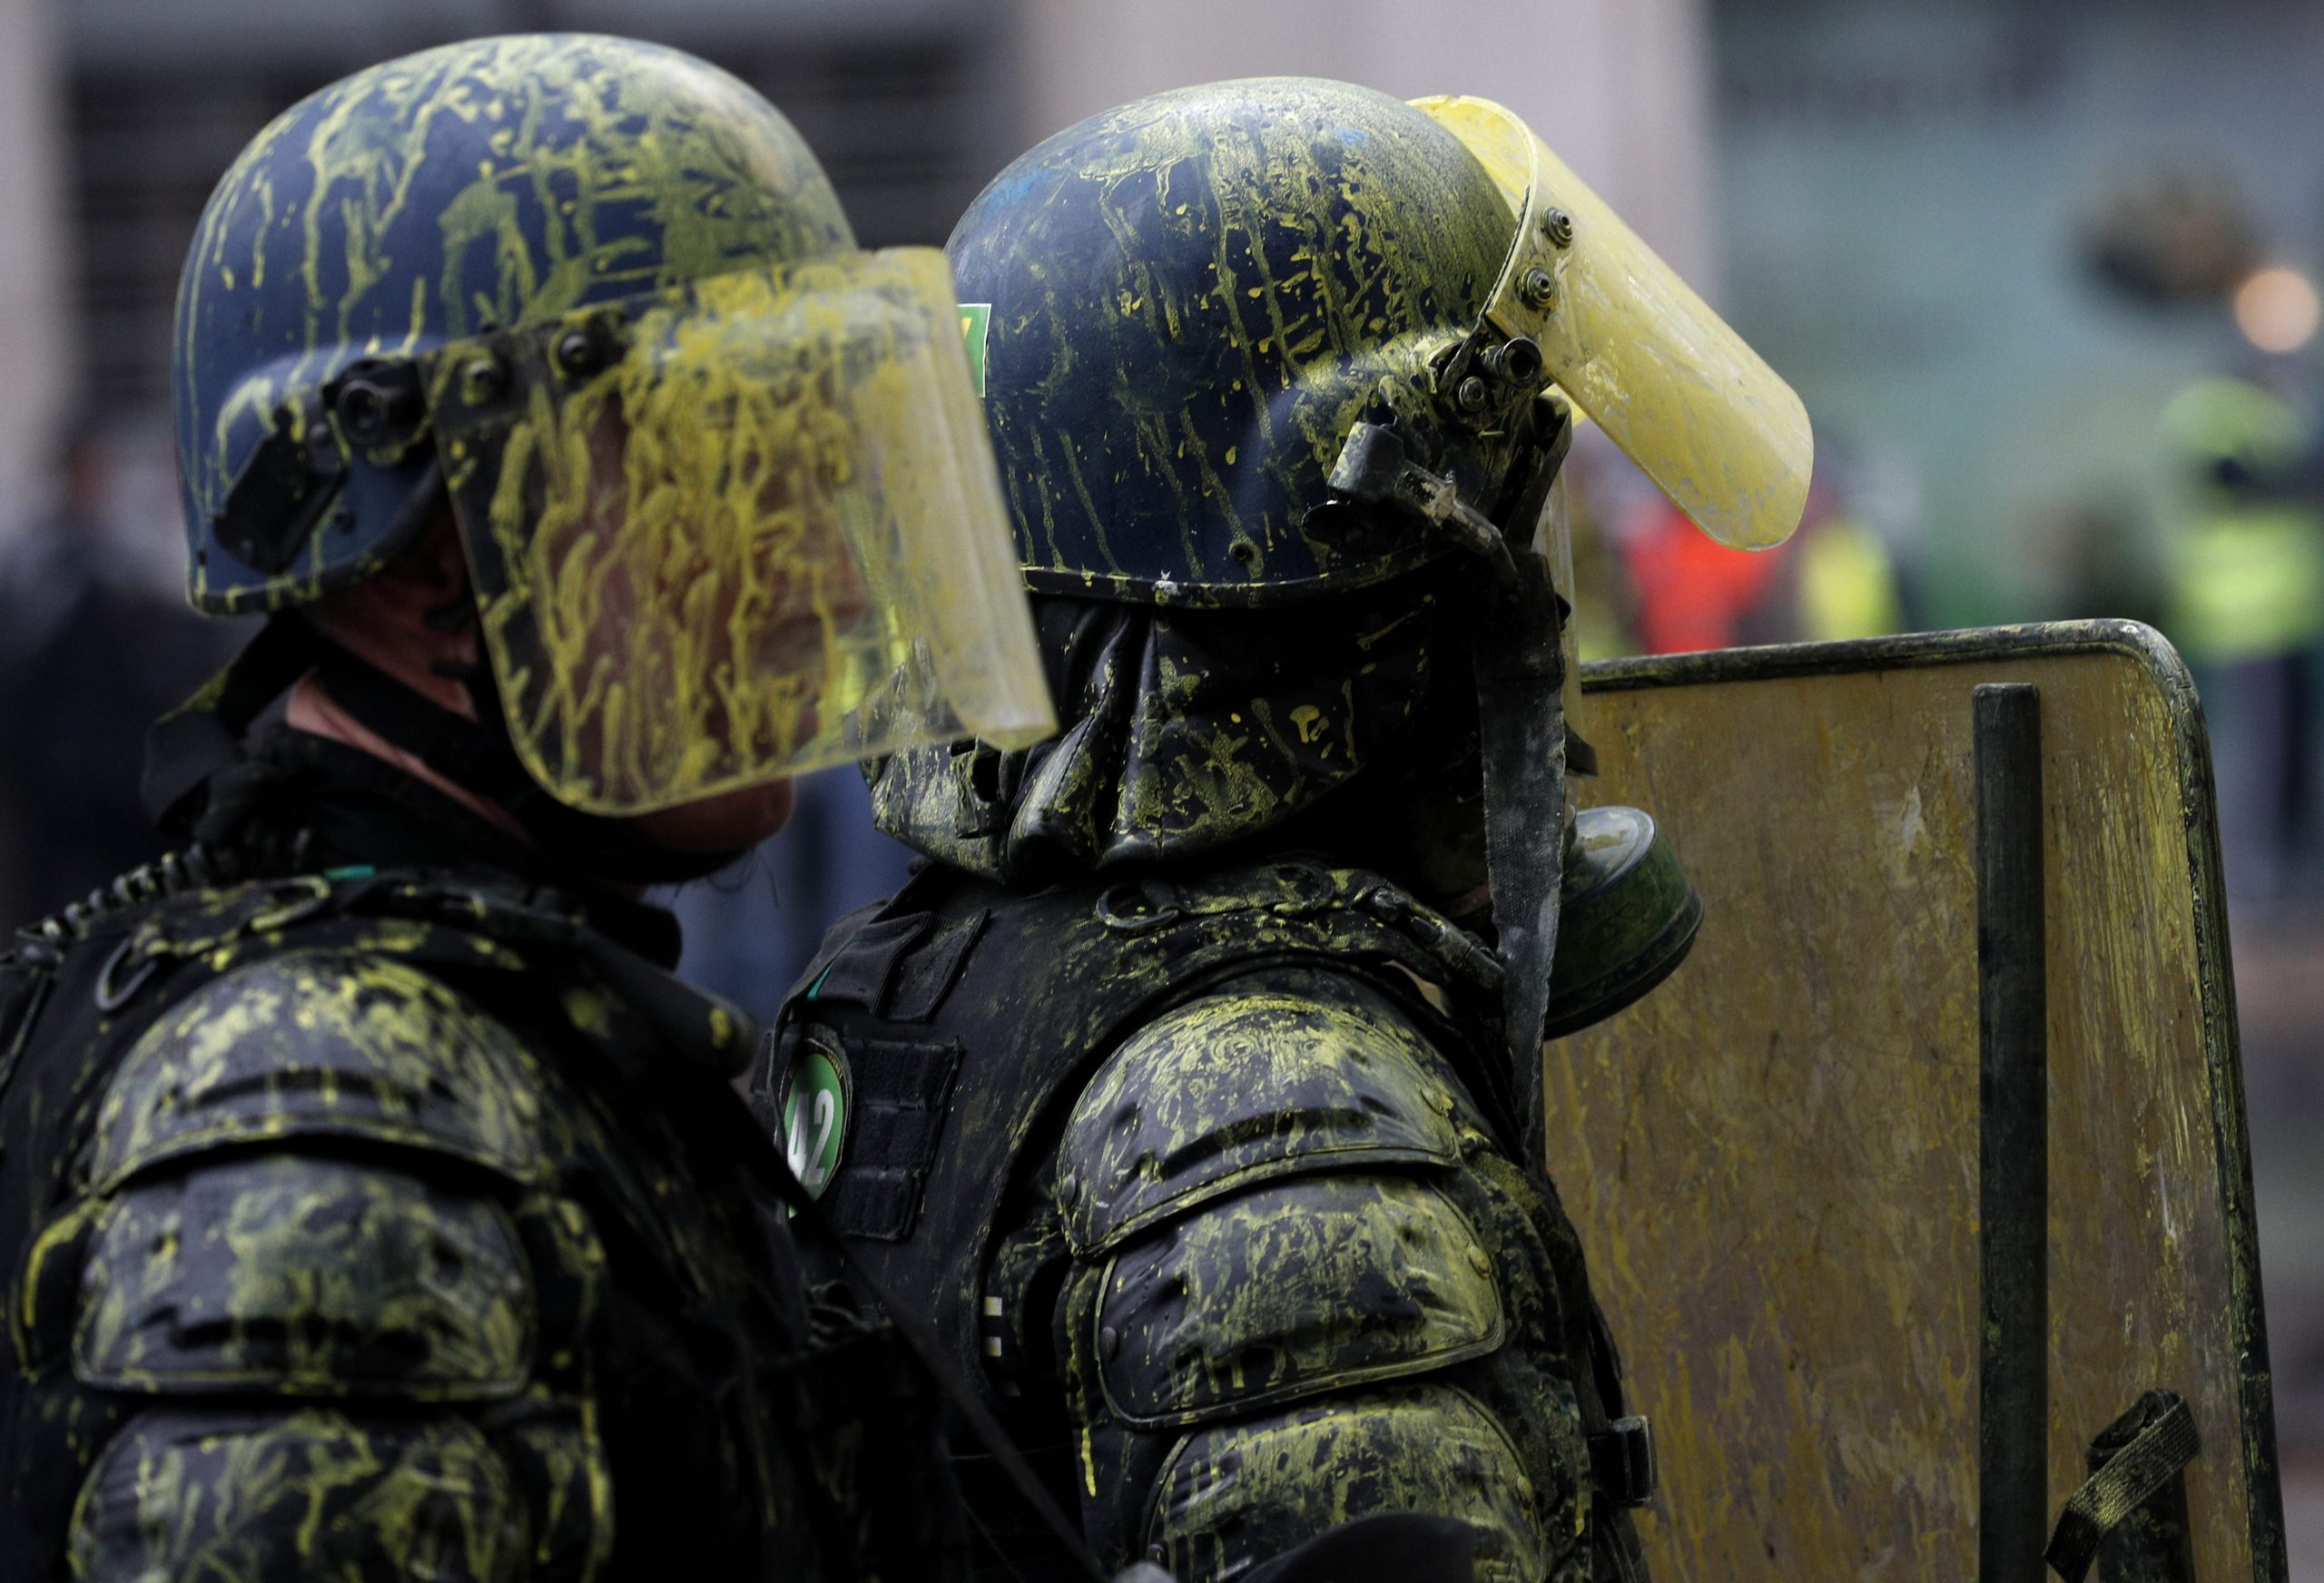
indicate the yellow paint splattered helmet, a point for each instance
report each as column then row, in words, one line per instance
column 1284, row 339
column 720, row 475
column 1188, row 307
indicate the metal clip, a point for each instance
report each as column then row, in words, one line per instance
column 1374, row 469
column 1138, row 906
column 1622, row 1463
column 111, row 996
column 289, row 901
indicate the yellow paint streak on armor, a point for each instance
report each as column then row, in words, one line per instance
column 1427, row 1448
column 313, row 1493
column 590, row 1011
column 349, row 1044
column 306, row 1277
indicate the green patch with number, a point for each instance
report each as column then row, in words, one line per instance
column 976, row 318
column 815, row 1105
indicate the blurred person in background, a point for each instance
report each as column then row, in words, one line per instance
column 2108, row 570
column 1668, row 589
column 1690, row 592
column 1845, row 581
column 91, row 650
column 2243, row 566
column 382, row 1203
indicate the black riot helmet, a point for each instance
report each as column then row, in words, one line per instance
column 717, row 475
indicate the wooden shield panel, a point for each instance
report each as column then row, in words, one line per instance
column 1774, row 1156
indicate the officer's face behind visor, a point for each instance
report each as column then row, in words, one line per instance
column 783, row 614
column 735, row 531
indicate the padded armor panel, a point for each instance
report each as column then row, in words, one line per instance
column 1239, row 1087
column 1312, row 1284
column 261, row 1498
column 321, row 1044
column 304, row 1276
column 554, row 1457
column 1236, row 1494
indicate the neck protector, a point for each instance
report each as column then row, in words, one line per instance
column 1189, row 731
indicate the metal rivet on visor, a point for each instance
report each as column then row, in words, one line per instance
column 1557, row 226
column 482, row 379
column 376, row 404
column 1539, row 287
column 580, row 353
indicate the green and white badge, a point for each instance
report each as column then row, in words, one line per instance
column 815, row 1105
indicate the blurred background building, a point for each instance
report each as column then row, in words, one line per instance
column 2044, row 271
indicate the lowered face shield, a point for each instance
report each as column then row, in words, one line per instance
column 737, row 530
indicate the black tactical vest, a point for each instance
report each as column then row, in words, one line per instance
column 926, row 1067
column 405, row 1198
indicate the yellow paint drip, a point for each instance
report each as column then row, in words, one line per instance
column 765, row 537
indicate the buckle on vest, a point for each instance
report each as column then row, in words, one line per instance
column 1622, row 1463
column 1140, row 906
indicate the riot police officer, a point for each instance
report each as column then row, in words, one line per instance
column 1194, row 1090
column 374, row 1202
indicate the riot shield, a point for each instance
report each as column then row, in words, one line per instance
column 1774, row 1157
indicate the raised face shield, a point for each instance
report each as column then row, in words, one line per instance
column 1715, row 429
column 735, row 530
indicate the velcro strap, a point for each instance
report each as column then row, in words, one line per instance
column 2154, row 1457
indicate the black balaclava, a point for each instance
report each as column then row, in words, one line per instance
column 1346, row 722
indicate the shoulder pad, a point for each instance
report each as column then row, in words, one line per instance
column 305, row 1276
column 1237, row 1089
column 1294, row 1288
column 304, row 1494
column 322, row 1044
column 1235, row 1493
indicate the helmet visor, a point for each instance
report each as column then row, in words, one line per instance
column 736, row 530
column 1670, row 383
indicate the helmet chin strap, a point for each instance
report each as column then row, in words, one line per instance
column 187, row 747
column 1521, row 710
column 481, row 756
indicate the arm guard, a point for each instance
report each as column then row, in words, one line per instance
column 1307, row 1288
column 312, row 1235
